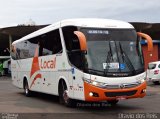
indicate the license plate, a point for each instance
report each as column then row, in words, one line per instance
column 121, row 98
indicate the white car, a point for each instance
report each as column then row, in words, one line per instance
column 153, row 72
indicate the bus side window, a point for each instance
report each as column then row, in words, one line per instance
column 72, row 46
column 70, row 37
column 13, row 52
column 21, row 51
column 51, row 43
column 32, row 45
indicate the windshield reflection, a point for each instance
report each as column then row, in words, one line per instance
column 113, row 52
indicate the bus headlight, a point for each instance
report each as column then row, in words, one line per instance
column 87, row 80
column 95, row 83
column 141, row 81
column 99, row 84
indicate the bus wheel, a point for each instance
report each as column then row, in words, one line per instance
column 156, row 82
column 63, row 95
column 113, row 102
column 27, row 92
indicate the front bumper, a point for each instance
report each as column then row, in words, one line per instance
column 99, row 94
column 153, row 79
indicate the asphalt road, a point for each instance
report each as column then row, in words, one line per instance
column 13, row 104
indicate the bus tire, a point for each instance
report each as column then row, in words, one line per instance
column 27, row 92
column 63, row 95
column 156, row 82
column 112, row 102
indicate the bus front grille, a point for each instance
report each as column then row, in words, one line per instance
column 116, row 94
column 119, row 86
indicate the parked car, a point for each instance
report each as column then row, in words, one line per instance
column 153, row 72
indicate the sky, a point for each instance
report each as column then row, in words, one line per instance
column 14, row 12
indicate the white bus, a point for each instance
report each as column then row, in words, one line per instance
column 82, row 59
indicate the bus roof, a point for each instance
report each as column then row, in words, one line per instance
column 82, row 22
column 95, row 22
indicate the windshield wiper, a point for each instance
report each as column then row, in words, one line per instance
column 127, row 60
column 109, row 57
column 117, row 56
column 94, row 71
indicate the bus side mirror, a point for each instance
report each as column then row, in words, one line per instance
column 82, row 40
column 148, row 38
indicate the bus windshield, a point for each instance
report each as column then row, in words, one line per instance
column 113, row 52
